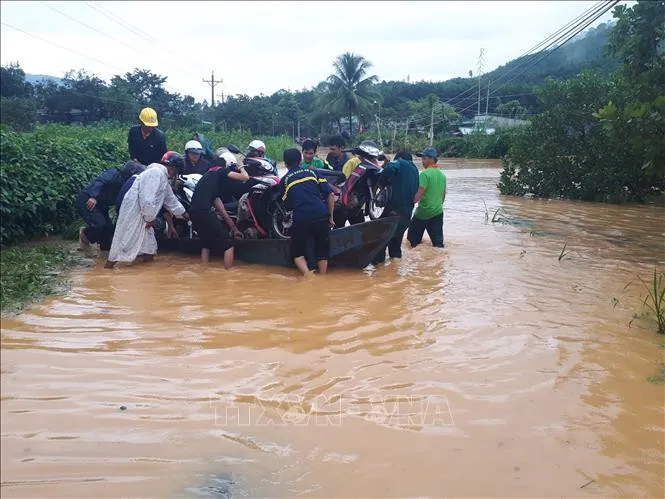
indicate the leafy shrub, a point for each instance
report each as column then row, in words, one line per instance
column 480, row 145
column 19, row 113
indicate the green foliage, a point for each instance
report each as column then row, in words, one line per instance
column 20, row 113
column 12, row 82
column 27, row 273
column 42, row 172
column 480, row 145
column 349, row 89
column 658, row 379
column 655, row 299
column 600, row 139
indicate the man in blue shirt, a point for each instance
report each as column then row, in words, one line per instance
column 312, row 203
column 337, row 157
column 402, row 175
column 93, row 204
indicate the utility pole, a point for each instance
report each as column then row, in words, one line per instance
column 212, row 84
column 378, row 129
column 406, row 133
column 394, row 136
column 487, row 104
column 431, row 127
column 481, row 60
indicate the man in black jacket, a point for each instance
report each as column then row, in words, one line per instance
column 146, row 142
column 93, row 204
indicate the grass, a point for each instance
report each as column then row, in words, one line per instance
column 30, row 272
column 660, row 379
column 563, row 251
column 655, row 299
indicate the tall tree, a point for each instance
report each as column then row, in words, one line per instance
column 350, row 88
column 12, row 81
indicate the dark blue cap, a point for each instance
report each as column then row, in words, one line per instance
column 430, row 152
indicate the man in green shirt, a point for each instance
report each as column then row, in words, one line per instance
column 430, row 197
column 309, row 158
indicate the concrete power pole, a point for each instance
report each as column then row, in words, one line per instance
column 212, row 84
column 431, row 127
column 481, row 60
column 406, row 133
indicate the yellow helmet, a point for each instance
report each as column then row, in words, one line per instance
column 148, row 116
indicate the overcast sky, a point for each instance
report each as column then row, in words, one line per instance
column 261, row 47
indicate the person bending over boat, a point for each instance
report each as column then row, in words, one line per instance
column 134, row 233
column 194, row 160
column 312, row 202
column 93, row 204
column 207, row 203
column 257, row 149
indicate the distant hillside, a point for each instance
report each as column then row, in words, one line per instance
column 45, row 78
column 587, row 51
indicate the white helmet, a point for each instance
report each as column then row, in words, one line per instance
column 256, row 146
column 229, row 158
column 369, row 148
column 193, row 146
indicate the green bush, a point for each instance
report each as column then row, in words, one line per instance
column 19, row 113
column 480, row 145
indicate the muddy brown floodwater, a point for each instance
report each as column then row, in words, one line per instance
column 490, row 368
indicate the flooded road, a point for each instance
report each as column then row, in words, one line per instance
column 490, row 368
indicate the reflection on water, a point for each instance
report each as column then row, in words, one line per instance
column 489, row 368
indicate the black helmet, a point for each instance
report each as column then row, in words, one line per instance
column 174, row 160
column 131, row 168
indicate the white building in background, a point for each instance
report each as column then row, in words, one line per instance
column 488, row 124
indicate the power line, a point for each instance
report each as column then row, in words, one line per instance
column 563, row 39
column 559, row 42
column 113, row 66
column 540, row 47
column 97, row 31
column 60, row 46
column 133, row 29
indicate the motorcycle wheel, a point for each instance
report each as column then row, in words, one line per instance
column 378, row 200
column 281, row 221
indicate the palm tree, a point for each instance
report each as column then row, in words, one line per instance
column 349, row 89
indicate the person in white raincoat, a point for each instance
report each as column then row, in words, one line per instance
column 134, row 234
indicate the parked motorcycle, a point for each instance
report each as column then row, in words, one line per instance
column 364, row 193
column 257, row 208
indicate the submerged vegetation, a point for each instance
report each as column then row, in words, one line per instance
column 30, row 272
column 655, row 298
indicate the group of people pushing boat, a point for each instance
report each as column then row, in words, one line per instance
column 140, row 193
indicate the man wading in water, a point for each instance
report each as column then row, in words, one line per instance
column 430, row 197
column 307, row 196
column 207, row 203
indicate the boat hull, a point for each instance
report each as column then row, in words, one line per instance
column 352, row 246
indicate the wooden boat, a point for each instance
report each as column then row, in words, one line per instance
column 352, row 246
